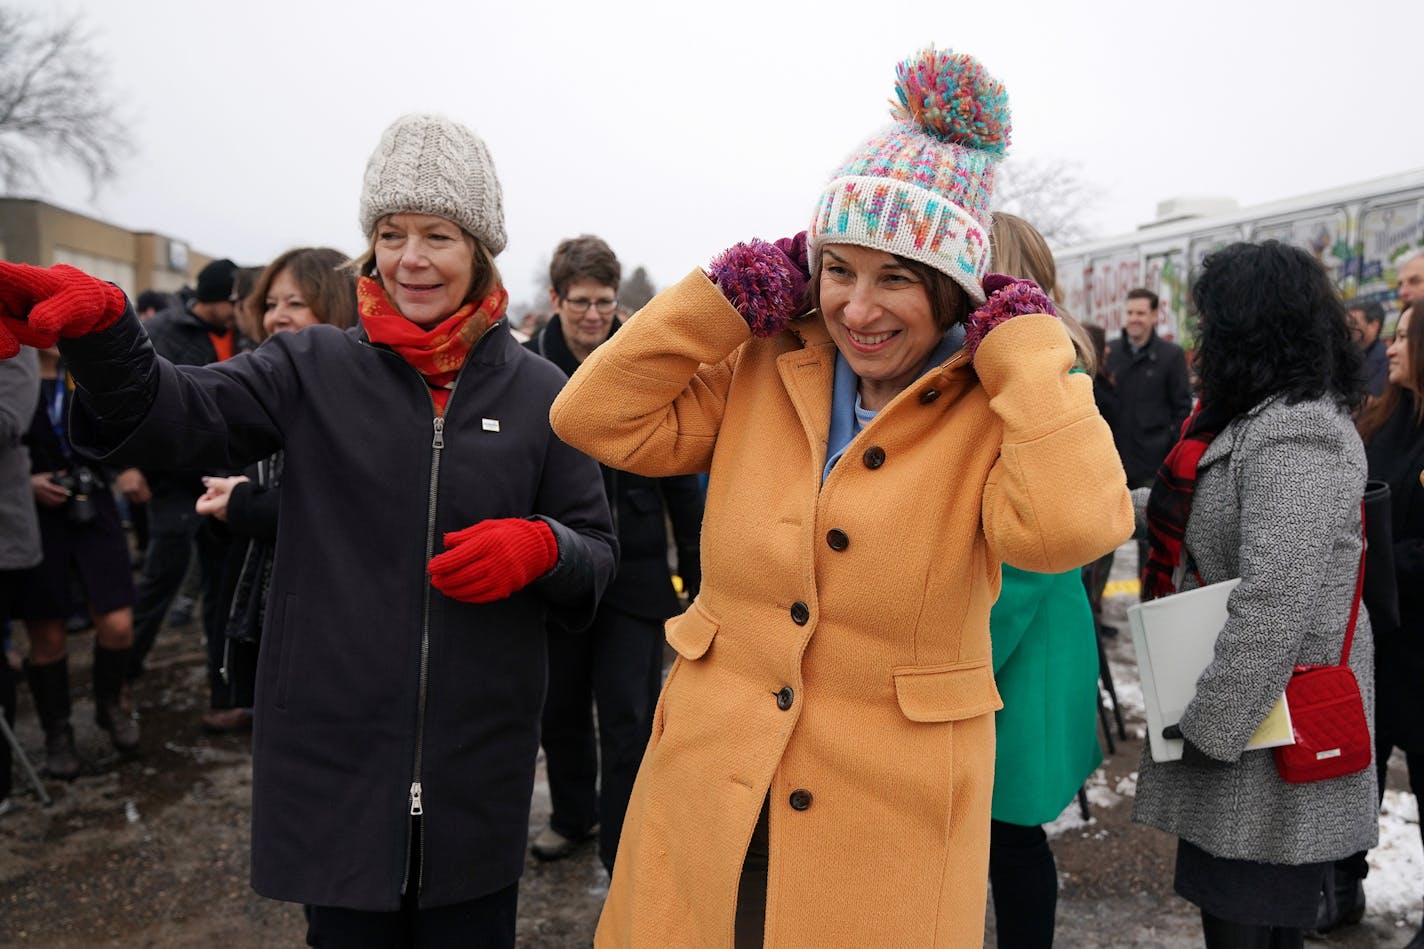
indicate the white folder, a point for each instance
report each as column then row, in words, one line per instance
column 1175, row 639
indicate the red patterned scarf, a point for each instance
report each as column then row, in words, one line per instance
column 436, row 353
column 1170, row 503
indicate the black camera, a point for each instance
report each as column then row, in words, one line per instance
column 82, row 484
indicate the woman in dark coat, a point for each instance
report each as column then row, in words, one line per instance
column 1393, row 429
column 399, row 691
column 83, row 540
column 300, row 288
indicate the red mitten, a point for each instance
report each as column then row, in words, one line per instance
column 40, row 305
column 493, row 559
column 1007, row 298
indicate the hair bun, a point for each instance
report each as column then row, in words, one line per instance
column 952, row 97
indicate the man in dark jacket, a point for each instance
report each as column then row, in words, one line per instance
column 617, row 662
column 1366, row 324
column 1154, row 395
column 195, row 332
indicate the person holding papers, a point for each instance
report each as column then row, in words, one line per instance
column 1264, row 486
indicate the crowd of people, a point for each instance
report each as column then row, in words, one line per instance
column 865, row 481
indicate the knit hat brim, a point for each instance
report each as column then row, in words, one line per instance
column 903, row 219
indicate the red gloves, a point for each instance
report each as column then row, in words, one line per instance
column 766, row 283
column 493, row 559
column 38, row 306
column 1007, row 298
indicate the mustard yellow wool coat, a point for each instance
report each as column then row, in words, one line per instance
column 837, row 658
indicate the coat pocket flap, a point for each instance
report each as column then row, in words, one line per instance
column 947, row 693
column 691, row 633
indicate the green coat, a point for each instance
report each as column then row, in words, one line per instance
column 1046, row 665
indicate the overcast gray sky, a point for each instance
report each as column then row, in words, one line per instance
column 673, row 129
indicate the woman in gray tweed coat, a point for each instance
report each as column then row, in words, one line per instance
column 1266, row 482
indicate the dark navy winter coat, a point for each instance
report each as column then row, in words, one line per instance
column 377, row 696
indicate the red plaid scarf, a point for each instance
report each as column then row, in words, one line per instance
column 1170, row 503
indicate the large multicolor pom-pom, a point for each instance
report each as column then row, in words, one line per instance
column 952, row 97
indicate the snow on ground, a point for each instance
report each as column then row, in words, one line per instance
column 1396, row 881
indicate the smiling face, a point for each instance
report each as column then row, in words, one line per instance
column 426, row 263
column 286, row 309
column 878, row 313
column 585, row 314
column 1140, row 320
column 1400, row 371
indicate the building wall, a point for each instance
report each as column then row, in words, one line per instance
column 35, row 232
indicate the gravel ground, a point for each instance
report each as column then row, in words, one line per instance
column 152, row 851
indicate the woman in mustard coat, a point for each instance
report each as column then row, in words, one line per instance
column 821, row 763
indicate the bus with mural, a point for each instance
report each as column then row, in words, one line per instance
column 1360, row 232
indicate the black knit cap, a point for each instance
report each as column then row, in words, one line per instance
column 215, row 281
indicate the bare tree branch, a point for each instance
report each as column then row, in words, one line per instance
column 1050, row 195
column 53, row 105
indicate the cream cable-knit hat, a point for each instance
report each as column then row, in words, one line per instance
column 427, row 164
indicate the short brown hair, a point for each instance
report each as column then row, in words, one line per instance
column 327, row 288
column 1142, row 293
column 949, row 303
column 585, row 257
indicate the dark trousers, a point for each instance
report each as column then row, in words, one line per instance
column 7, row 708
column 175, row 528
column 1024, row 879
column 9, row 596
column 616, row 663
column 1220, row 933
column 749, row 927
column 483, row 923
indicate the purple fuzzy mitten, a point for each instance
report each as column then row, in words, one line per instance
column 1007, row 298
column 795, row 250
column 764, row 284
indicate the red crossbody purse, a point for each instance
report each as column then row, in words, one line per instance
column 1327, row 712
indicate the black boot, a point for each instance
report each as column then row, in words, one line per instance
column 49, row 684
column 111, row 706
column 1342, row 901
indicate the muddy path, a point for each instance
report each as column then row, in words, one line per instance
column 152, row 851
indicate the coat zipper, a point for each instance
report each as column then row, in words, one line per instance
column 416, row 796
column 437, row 444
column 417, row 804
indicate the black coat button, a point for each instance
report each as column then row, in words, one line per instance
column 800, row 799
column 837, row 539
column 800, row 613
column 785, row 697
column 928, row 396
column 874, row 457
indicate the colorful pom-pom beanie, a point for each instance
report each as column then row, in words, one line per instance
column 921, row 187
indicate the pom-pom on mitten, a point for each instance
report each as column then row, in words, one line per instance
column 494, row 559
column 1007, row 298
column 765, row 285
column 40, row 305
